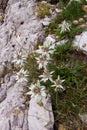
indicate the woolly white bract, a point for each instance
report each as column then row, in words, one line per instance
column 22, row 75
column 42, row 61
column 64, row 26
column 46, row 50
column 46, row 76
column 37, row 91
column 58, row 83
column 18, row 59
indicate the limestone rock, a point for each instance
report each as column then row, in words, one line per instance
column 40, row 117
column 50, row 38
column 81, row 41
column 46, row 21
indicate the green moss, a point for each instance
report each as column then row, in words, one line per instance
column 42, row 10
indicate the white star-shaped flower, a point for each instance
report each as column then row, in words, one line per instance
column 64, row 26
column 42, row 61
column 46, row 76
column 45, row 50
column 58, row 83
column 37, row 91
column 22, row 75
column 18, row 59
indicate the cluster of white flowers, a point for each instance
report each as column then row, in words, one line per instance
column 43, row 57
column 45, row 52
column 21, row 75
column 64, row 26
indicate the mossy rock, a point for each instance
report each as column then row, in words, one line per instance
column 43, row 10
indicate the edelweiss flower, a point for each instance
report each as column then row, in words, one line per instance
column 46, row 49
column 65, row 26
column 46, row 76
column 37, row 91
column 50, row 45
column 42, row 61
column 22, row 75
column 58, row 83
column 18, row 59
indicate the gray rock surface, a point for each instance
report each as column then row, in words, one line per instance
column 19, row 32
column 42, row 119
column 81, row 41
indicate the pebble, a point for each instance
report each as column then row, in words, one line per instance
column 75, row 22
column 81, row 20
column 82, row 26
column 46, row 21
column 85, row 16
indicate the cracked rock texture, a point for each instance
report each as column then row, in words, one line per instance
column 18, row 32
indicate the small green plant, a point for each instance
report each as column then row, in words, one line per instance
column 31, row 66
column 43, row 10
column 62, row 26
column 73, row 11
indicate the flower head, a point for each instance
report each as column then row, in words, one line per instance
column 18, row 59
column 22, row 75
column 58, row 83
column 65, row 26
column 46, row 76
column 45, row 50
column 37, row 91
column 42, row 61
